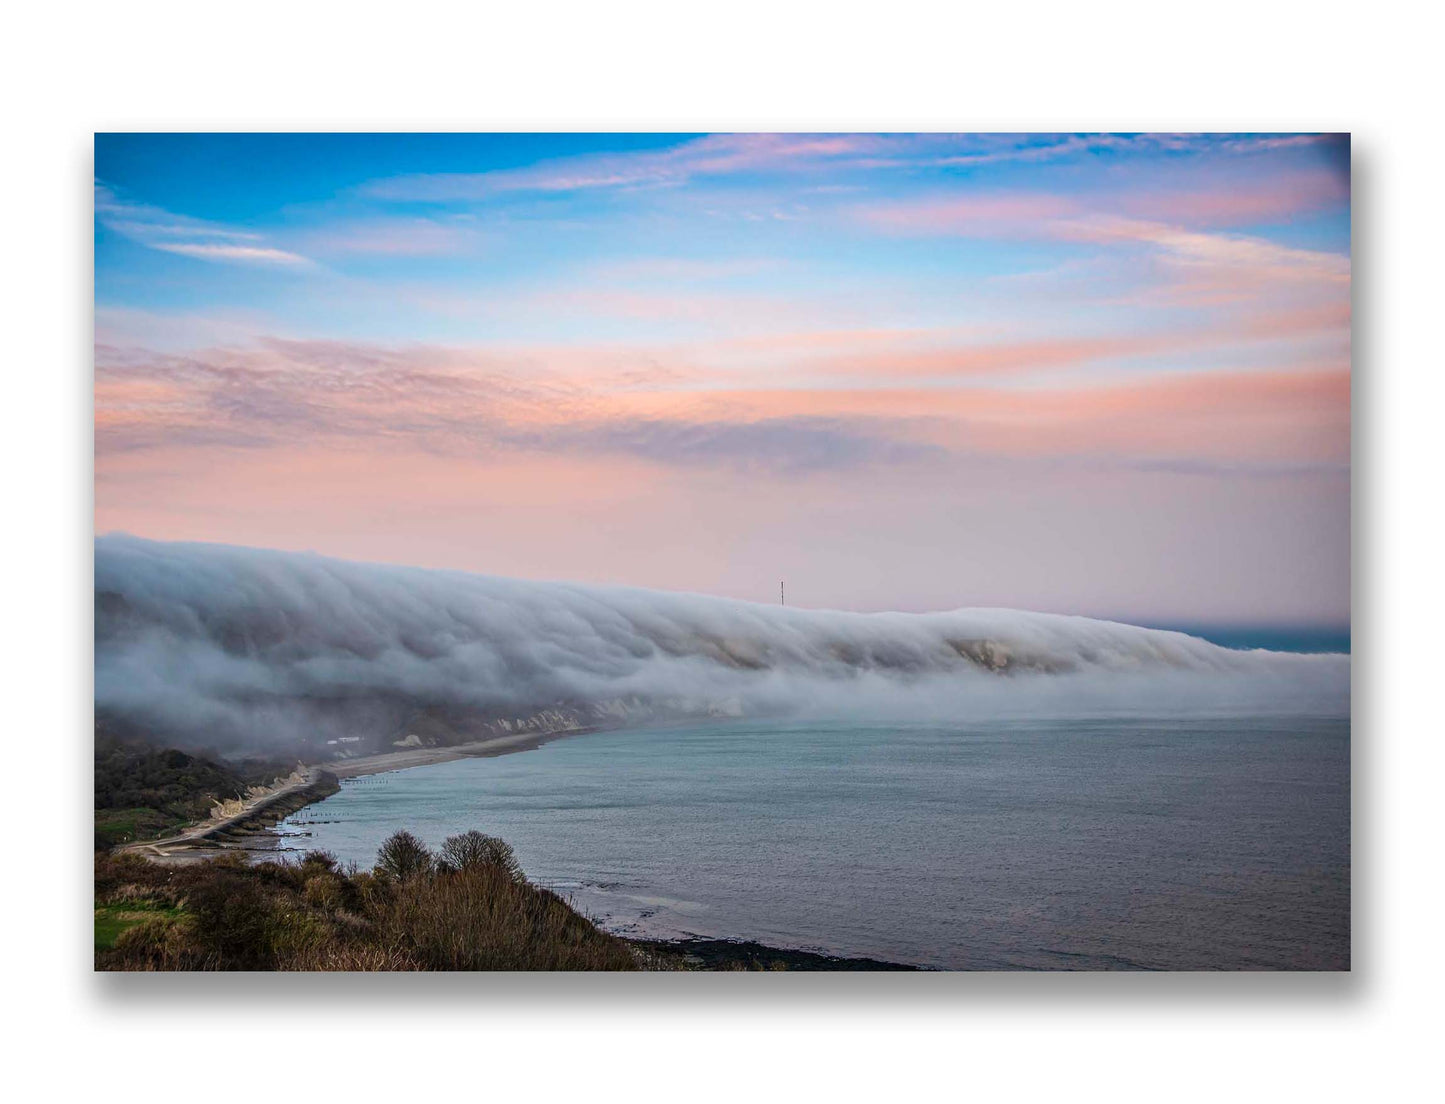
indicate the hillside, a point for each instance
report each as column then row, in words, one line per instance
column 142, row 791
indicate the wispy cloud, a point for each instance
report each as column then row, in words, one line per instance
column 1036, row 214
column 278, row 394
column 994, row 148
column 1264, row 259
column 1182, row 253
column 728, row 154
column 214, row 251
column 713, row 155
column 168, row 232
column 454, row 402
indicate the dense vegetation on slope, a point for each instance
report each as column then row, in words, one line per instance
column 142, row 791
column 469, row 908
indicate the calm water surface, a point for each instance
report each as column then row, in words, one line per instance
column 1099, row 844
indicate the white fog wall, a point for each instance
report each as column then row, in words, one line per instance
column 249, row 646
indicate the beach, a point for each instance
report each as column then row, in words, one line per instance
column 248, row 828
column 424, row 756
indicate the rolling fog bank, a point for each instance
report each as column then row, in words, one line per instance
column 249, row 650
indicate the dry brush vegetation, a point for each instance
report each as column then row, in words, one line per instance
column 469, row 907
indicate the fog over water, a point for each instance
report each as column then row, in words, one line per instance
column 255, row 649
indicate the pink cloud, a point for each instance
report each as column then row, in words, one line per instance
column 526, row 462
column 1231, row 201
column 1284, row 196
column 471, row 402
column 1041, row 215
column 1185, row 261
column 1298, row 417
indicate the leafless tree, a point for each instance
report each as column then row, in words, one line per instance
column 403, row 856
column 473, row 849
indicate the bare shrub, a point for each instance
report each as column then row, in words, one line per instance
column 403, row 856
column 474, row 849
column 324, row 860
column 481, row 919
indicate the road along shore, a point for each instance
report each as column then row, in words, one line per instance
column 424, row 757
column 249, row 829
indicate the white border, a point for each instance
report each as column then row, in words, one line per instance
column 75, row 69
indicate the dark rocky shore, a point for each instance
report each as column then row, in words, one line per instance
column 729, row 954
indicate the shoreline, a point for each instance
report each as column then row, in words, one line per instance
column 239, row 833
column 727, row 955
column 255, row 823
column 249, row 826
column 406, row 758
column 210, row 837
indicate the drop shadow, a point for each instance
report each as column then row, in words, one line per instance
column 823, row 992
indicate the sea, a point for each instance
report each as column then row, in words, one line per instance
column 1133, row 841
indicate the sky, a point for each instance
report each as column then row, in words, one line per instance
column 1094, row 374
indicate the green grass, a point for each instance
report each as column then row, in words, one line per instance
column 111, row 920
column 116, row 826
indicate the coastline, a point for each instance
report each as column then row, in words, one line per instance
column 729, row 955
column 249, row 829
column 407, row 758
column 208, row 837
